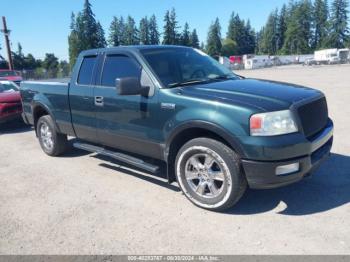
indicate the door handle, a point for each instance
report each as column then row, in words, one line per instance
column 99, row 101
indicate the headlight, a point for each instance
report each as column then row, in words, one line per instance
column 273, row 124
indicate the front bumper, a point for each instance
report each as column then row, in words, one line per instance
column 262, row 174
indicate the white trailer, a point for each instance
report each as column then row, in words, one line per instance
column 327, row 56
column 259, row 61
column 344, row 55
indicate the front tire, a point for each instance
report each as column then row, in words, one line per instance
column 209, row 174
column 51, row 142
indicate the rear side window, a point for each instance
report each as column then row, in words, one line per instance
column 119, row 66
column 86, row 70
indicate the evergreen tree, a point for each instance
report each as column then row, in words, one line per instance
column 90, row 33
column 100, row 36
column 186, row 36
column 249, row 40
column 30, row 62
column 171, row 36
column 320, row 15
column 232, row 31
column 122, row 31
column 131, row 32
column 21, row 61
column 194, row 40
column 86, row 33
column 153, row 31
column 236, row 32
column 173, row 22
column 144, row 34
column 20, row 50
column 167, row 29
column 298, row 33
column 18, row 58
column 242, row 35
column 114, row 32
column 73, row 42
column 281, row 27
column 258, row 47
column 214, row 39
column 269, row 38
column 339, row 24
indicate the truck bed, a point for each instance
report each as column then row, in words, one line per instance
column 53, row 96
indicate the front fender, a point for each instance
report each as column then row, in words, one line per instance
column 202, row 124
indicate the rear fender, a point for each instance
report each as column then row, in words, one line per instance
column 36, row 105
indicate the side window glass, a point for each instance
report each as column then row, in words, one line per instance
column 119, row 66
column 86, row 70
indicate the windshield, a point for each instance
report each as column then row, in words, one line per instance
column 8, row 73
column 8, row 87
column 177, row 66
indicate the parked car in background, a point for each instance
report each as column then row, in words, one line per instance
column 11, row 75
column 10, row 101
column 236, row 62
column 310, row 61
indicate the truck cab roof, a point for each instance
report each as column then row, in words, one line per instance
column 131, row 48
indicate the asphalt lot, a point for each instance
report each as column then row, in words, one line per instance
column 83, row 204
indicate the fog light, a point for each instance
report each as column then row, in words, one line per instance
column 287, row 169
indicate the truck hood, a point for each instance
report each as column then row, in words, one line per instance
column 259, row 94
column 10, row 97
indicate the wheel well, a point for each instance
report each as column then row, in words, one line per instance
column 181, row 139
column 39, row 111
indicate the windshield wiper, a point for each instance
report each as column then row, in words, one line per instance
column 201, row 81
column 222, row 77
column 189, row 82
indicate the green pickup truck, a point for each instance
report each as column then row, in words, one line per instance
column 216, row 132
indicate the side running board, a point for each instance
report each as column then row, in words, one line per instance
column 118, row 156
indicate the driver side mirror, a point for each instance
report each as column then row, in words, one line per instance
column 128, row 86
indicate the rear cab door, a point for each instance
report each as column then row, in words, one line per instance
column 81, row 96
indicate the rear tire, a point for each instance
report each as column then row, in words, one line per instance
column 51, row 142
column 209, row 174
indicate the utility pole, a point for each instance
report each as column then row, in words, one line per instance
column 7, row 42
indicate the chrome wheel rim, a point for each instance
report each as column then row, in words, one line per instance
column 205, row 175
column 46, row 136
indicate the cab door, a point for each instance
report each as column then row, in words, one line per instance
column 128, row 122
column 81, row 96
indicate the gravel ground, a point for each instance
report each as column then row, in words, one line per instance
column 84, row 204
